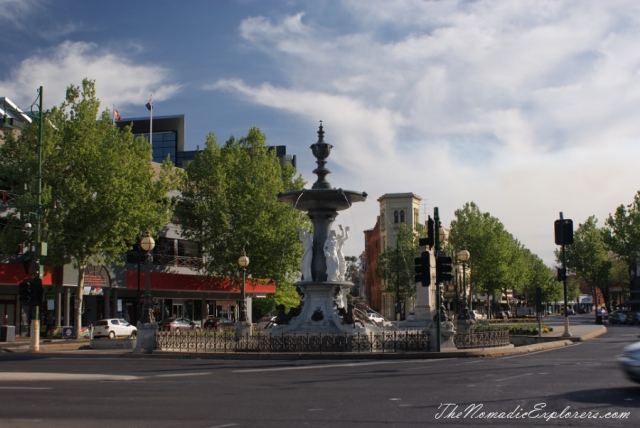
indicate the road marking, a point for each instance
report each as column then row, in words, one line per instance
column 314, row 410
column 539, row 352
column 330, row 366
column 183, row 374
column 224, row 426
column 62, row 376
column 23, row 387
column 514, row 377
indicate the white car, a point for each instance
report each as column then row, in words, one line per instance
column 375, row 317
column 630, row 361
column 113, row 328
column 477, row 315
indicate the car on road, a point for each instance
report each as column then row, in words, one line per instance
column 502, row 315
column 630, row 361
column 377, row 318
column 218, row 322
column 569, row 311
column 177, row 324
column 617, row 317
column 112, row 328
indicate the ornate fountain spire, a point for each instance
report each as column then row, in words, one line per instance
column 321, row 151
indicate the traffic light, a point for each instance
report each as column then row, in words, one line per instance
column 562, row 274
column 563, row 229
column 423, row 269
column 25, row 291
column 431, row 227
column 443, row 268
column 37, row 291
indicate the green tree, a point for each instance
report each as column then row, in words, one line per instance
column 99, row 187
column 228, row 203
column 395, row 267
column 589, row 257
column 623, row 236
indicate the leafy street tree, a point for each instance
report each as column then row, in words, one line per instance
column 623, row 235
column 589, row 257
column 99, row 187
column 395, row 267
column 229, row 203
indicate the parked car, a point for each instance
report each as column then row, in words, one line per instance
column 377, row 318
column 264, row 322
column 113, row 328
column 601, row 311
column 502, row 315
column 583, row 310
column 177, row 324
column 477, row 315
column 630, row 361
column 218, row 322
column 617, row 317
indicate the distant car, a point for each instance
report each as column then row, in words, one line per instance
column 477, row 315
column 218, row 322
column 502, row 315
column 617, row 317
column 265, row 322
column 177, row 324
column 583, row 311
column 113, row 328
column 630, row 361
column 601, row 311
column 569, row 311
column 377, row 318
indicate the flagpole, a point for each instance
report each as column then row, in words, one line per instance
column 113, row 114
column 151, row 124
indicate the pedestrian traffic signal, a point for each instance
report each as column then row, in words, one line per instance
column 563, row 229
column 25, row 291
column 443, row 269
column 423, row 269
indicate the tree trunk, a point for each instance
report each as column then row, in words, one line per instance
column 78, row 302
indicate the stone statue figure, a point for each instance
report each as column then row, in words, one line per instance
column 342, row 238
column 331, row 246
column 307, row 254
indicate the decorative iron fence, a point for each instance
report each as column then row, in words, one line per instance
column 226, row 342
column 482, row 338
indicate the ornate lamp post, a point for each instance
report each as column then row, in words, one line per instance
column 463, row 256
column 243, row 327
column 146, row 244
column 243, row 262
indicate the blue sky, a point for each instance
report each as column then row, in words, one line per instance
column 527, row 108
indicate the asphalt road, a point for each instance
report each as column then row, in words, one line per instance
column 158, row 392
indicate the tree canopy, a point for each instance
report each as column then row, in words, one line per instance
column 99, row 187
column 228, row 203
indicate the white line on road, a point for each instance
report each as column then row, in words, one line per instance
column 183, row 374
column 513, row 377
column 224, row 426
column 62, row 376
column 539, row 352
column 330, row 366
column 23, row 387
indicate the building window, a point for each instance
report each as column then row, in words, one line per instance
column 395, row 216
column 401, row 216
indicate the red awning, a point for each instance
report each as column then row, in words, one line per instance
column 174, row 281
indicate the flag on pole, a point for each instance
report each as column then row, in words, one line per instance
column 116, row 115
column 149, row 105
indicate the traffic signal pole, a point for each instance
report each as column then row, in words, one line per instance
column 564, row 279
column 436, row 236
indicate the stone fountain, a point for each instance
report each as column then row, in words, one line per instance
column 324, row 308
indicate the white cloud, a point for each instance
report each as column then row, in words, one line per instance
column 525, row 107
column 119, row 81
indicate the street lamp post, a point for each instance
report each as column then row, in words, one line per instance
column 147, row 243
column 40, row 247
column 463, row 256
column 244, row 326
column 147, row 327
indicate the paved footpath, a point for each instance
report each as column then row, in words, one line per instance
column 81, row 348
